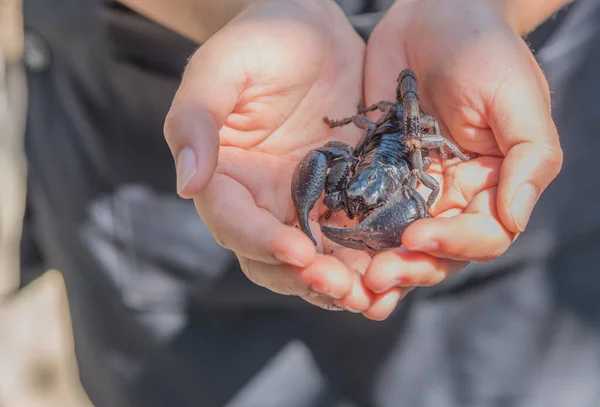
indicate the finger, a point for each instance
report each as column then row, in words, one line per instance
column 230, row 213
column 359, row 299
column 206, row 96
column 385, row 304
column 325, row 277
column 521, row 118
column 356, row 260
column 476, row 235
column 404, row 268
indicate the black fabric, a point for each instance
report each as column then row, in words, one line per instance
column 138, row 261
column 543, row 33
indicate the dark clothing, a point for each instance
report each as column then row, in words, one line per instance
column 164, row 317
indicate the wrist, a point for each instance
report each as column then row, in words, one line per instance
column 322, row 14
column 196, row 20
column 524, row 16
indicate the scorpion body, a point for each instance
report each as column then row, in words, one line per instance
column 385, row 147
column 375, row 181
column 378, row 172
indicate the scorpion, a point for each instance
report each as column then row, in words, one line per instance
column 375, row 181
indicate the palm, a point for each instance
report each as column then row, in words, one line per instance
column 268, row 132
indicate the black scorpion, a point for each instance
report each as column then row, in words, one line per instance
column 375, row 181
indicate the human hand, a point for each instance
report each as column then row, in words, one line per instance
column 480, row 80
column 248, row 109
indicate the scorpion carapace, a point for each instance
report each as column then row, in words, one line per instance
column 375, row 181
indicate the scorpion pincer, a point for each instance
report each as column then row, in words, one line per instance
column 375, row 181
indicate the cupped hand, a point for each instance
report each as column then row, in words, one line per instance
column 480, row 80
column 249, row 107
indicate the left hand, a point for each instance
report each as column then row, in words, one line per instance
column 248, row 109
column 478, row 78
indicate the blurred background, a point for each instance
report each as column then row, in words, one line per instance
column 559, row 284
column 37, row 363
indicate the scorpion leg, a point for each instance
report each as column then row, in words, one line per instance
column 361, row 122
column 426, row 163
column 338, row 123
column 437, row 141
column 382, row 105
column 345, row 121
column 310, row 179
column 388, row 114
column 429, row 182
column 419, row 164
column 414, row 195
column 361, row 110
column 369, row 128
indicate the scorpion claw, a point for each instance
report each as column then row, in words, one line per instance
column 382, row 229
column 349, row 237
column 307, row 185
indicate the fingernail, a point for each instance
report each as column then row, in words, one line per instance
column 338, row 303
column 287, row 258
column 322, row 291
column 186, row 167
column 523, row 204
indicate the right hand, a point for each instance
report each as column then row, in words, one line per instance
column 248, row 109
column 479, row 79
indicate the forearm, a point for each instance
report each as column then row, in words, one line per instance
column 197, row 20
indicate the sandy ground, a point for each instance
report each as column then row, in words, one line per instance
column 38, row 366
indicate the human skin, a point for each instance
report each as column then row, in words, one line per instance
column 249, row 108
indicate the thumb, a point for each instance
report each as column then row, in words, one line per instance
column 520, row 116
column 206, row 96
